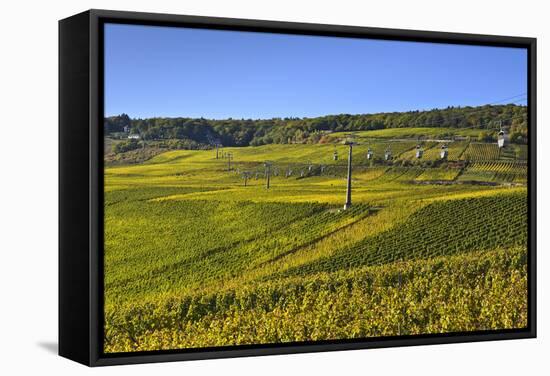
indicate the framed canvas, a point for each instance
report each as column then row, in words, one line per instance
column 234, row 187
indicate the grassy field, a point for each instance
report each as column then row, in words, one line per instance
column 194, row 258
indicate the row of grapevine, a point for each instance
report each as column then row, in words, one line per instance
column 441, row 228
column 398, row 174
column 187, row 242
column 500, row 167
column 431, row 174
column 478, row 151
column 490, row 152
column 379, row 147
column 481, row 291
column 454, row 150
column 428, row 147
column 508, row 171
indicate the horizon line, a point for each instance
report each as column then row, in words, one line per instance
column 319, row 116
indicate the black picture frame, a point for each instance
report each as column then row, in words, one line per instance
column 81, row 184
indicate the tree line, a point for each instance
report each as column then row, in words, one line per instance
column 255, row 132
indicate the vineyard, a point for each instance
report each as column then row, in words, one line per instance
column 434, row 174
column 428, row 147
column 441, row 228
column 262, row 232
column 199, row 252
column 477, row 152
column 397, row 148
column 496, row 171
column 481, row 291
column 455, row 150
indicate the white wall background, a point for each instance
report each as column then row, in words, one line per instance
column 28, row 184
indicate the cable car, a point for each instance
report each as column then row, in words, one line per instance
column 369, row 154
column 419, row 151
column 501, row 140
column 387, row 155
column 444, row 152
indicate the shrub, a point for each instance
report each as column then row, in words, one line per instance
column 125, row 146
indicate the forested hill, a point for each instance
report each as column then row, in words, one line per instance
column 244, row 132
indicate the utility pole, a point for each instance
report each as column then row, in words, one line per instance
column 267, row 173
column 347, row 205
column 246, row 175
column 217, row 151
column 229, row 158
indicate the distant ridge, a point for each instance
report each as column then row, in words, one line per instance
column 245, row 132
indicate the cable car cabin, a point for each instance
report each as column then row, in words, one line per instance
column 444, row 152
column 387, row 155
column 369, row 154
column 419, row 152
column 501, row 140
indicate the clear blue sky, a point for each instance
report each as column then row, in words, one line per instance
column 170, row 72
